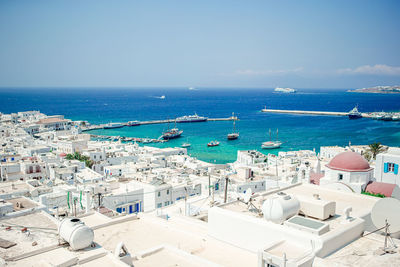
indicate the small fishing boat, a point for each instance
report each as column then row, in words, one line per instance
column 186, row 144
column 213, row 143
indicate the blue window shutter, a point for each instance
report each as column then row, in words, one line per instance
column 385, row 169
column 396, row 168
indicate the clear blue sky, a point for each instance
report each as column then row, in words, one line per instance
column 301, row 44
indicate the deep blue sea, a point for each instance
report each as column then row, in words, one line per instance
column 297, row 131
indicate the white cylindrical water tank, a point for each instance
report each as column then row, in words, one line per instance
column 76, row 233
column 281, row 207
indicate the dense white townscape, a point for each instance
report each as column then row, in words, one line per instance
column 67, row 200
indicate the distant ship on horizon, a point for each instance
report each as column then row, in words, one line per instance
column 285, row 90
column 159, row 97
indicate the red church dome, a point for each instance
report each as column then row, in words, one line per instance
column 349, row 161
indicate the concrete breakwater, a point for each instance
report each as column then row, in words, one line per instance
column 101, row 126
column 307, row 112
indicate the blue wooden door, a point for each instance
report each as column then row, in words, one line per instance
column 137, row 209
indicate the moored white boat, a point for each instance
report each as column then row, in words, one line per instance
column 213, row 143
column 133, row 123
column 191, row 118
column 354, row 114
column 185, row 145
column 271, row 144
column 113, row 125
column 234, row 134
column 396, row 117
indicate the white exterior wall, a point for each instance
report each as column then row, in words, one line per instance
column 6, row 208
column 329, row 152
column 355, row 180
column 70, row 147
column 180, row 192
column 396, row 192
column 251, row 233
column 388, row 177
column 243, row 172
column 151, row 199
column 255, row 234
column 52, row 200
column 10, row 172
column 121, row 160
column 112, row 202
column 256, row 186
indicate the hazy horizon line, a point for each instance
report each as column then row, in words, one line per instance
column 187, row 88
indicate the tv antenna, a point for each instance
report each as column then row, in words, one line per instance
column 385, row 215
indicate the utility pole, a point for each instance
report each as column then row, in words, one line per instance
column 209, row 184
column 226, row 188
column 185, row 201
column 276, row 169
column 213, row 192
column 74, row 202
column 99, row 199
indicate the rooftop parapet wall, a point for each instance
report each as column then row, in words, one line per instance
column 252, row 233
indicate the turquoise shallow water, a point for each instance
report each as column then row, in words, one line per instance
column 296, row 131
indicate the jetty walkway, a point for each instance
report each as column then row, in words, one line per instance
column 306, row 112
column 101, row 126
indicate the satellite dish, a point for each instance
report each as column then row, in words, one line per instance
column 386, row 215
column 387, row 210
column 247, row 195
